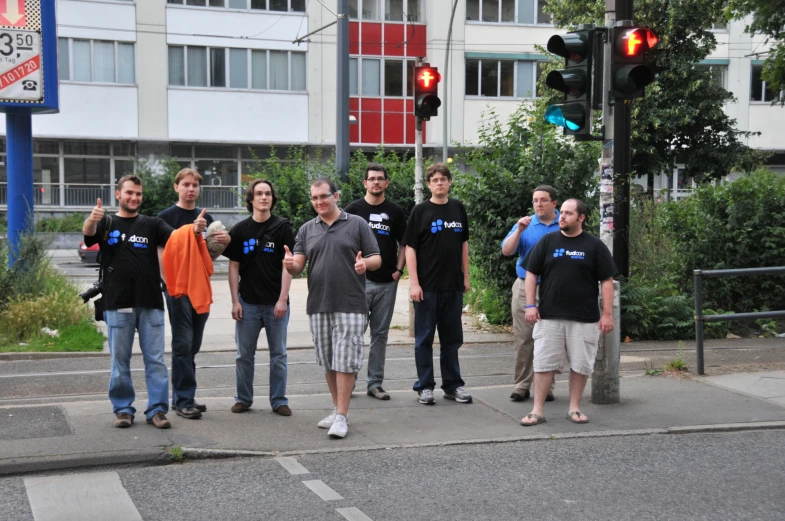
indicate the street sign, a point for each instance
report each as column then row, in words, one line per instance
column 12, row 12
column 20, row 65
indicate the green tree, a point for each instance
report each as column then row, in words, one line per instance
column 681, row 119
column 158, row 193
column 768, row 18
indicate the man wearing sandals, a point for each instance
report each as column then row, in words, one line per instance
column 567, row 320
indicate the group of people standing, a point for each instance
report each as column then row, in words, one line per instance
column 354, row 258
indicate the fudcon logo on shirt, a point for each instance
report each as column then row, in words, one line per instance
column 377, row 223
column 561, row 252
column 137, row 240
column 439, row 225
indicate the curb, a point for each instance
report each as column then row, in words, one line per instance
column 75, row 461
column 194, row 453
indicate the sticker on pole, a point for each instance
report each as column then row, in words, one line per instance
column 20, row 65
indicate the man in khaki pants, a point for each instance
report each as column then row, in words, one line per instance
column 522, row 237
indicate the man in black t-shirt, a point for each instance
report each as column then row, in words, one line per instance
column 388, row 223
column 132, row 297
column 187, row 324
column 259, row 287
column 437, row 253
column 567, row 320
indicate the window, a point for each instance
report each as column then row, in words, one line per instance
column 381, row 77
column 507, row 11
column 371, row 77
column 194, row 66
column 99, row 61
column 364, row 9
column 393, row 77
column 717, row 73
column 404, row 10
column 502, row 78
column 759, row 91
column 262, row 5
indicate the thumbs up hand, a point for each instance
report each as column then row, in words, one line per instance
column 98, row 212
column 359, row 265
column 288, row 258
column 200, row 224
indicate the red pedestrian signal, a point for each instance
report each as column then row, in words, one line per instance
column 629, row 73
column 634, row 42
column 426, row 92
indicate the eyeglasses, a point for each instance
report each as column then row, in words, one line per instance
column 439, row 180
column 376, row 179
column 541, row 201
column 323, row 197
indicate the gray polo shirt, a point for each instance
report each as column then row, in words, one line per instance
column 331, row 251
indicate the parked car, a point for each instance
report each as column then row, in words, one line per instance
column 89, row 255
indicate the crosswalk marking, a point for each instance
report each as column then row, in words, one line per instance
column 353, row 514
column 292, row 465
column 321, row 489
column 96, row 496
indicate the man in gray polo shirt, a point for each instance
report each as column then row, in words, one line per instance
column 339, row 249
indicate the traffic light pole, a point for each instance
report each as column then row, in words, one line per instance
column 417, row 183
column 605, row 378
column 342, row 101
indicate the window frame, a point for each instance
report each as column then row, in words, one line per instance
column 225, row 6
column 763, row 88
column 516, row 14
column 116, row 57
column 536, row 72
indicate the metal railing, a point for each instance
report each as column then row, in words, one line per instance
column 699, row 275
column 44, row 194
column 220, row 197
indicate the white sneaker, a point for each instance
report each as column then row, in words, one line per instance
column 426, row 397
column 328, row 422
column 339, row 428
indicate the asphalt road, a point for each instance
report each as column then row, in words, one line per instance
column 693, row 477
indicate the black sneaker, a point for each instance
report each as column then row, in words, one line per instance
column 519, row 395
column 189, row 412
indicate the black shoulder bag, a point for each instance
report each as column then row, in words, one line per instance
column 99, row 303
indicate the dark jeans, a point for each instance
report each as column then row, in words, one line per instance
column 187, row 333
column 439, row 310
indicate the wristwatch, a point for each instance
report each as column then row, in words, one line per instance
column 398, row 270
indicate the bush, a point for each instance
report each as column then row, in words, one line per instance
column 158, row 192
column 733, row 225
column 69, row 223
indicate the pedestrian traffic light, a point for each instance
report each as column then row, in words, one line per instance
column 575, row 81
column 426, row 90
column 629, row 73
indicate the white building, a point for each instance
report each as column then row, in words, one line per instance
column 216, row 83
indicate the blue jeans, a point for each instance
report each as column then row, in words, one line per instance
column 380, row 297
column 438, row 310
column 256, row 317
column 187, row 332
column 122, row 326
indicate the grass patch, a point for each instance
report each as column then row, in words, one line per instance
column 177, row 453
column 484, row 298
column 82, row 337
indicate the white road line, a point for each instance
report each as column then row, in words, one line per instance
column 292, row 465
column 321, row 489
column 96, row 496
column 353, row 514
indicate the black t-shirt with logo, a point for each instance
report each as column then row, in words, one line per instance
column 437, row 232
column 129, row 252
column 388, row 223
column 177, row 217
column 570, row 268
column 258, row 247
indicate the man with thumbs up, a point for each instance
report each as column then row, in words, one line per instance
column 339, row 248
column 132, row 296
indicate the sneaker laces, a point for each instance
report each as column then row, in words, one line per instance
column 459, row 391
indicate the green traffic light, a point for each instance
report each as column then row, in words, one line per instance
column 569, row 115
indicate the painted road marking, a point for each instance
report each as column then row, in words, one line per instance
column 96, row 496
column 353, row 514
column 321, row 489
column 292, row 465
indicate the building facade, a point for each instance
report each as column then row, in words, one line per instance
column 219, row 84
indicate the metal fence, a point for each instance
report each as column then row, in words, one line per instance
column 699, row 275
column 220, row 197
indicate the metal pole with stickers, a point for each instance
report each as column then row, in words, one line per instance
column 28, row 85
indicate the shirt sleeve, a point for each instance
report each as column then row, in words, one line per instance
column 232, row 251
column 535, row 260
column 299, row 240
column 162, row 231
column 465, row 217
column 368, row 244
column 411, row 237
column 400, row 225
column 605, row 268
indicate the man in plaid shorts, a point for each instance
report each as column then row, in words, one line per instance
column 339, row 249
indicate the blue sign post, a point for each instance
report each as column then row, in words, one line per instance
column 28, row 84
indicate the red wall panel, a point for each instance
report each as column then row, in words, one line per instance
column 393, row 40
column 393, row 106
column 371, row 129
column 371, row 105
column 415, row 40
column 354, row 38
column 354, row 130
column 371, row 39
column 393, row 128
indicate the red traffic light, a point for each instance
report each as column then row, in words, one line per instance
column 428, row 78
column 635, row 41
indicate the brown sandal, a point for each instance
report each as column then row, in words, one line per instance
column 575, row 417
column 540, row 419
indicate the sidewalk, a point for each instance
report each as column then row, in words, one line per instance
column 69, row 435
